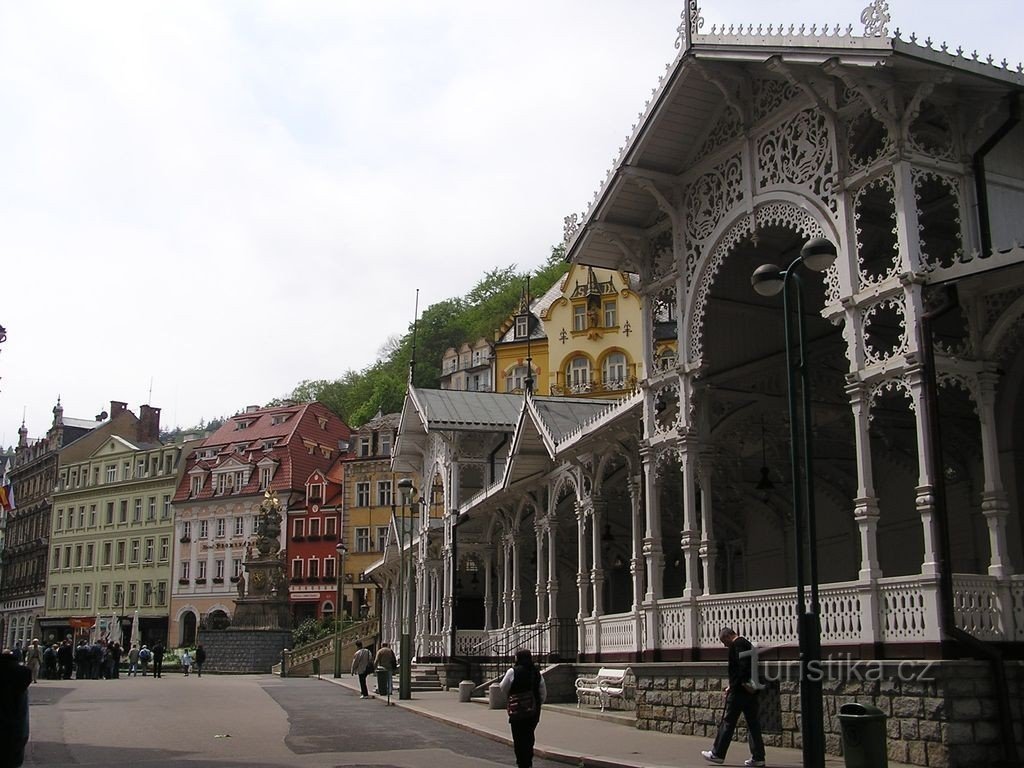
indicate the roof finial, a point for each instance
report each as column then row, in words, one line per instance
column 875, row 19
column 412, row 352
column 689, row 26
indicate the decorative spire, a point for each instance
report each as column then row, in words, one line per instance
column 875, row 19
column 690, row 25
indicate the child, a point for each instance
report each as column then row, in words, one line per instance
column 186, row 662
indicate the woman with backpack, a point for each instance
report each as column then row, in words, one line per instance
column 524, row 686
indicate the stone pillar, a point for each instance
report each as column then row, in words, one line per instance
column 994, row 504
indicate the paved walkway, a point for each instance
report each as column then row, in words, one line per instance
column 567, row 737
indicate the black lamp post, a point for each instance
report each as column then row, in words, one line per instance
column 770, row 280
column 342, row 550
column 405, row 584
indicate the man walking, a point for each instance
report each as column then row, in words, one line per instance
column 34, row 659
column 200, row 659
column 362, row 663
column 158, row 659
column 741, row 697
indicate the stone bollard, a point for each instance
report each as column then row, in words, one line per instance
column 466, row 690
column 495, row 698
column 285, row 658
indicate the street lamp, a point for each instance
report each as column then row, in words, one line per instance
column 816, row 255
column 406, row 488
column 342, row 550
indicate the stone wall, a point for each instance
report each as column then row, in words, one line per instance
column 243, row 651
column 941, row 713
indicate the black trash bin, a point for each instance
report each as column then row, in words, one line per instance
column 383, row 681
column 863, row 736
column 316, row 667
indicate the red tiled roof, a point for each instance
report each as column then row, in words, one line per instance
column 295, row 463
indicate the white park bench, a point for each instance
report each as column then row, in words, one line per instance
column 606, row 684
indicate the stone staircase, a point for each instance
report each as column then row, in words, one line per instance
column 301, row 660
column 427, row 677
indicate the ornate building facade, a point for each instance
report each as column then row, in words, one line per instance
column 634, row 532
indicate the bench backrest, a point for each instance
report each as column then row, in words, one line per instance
column 611, row 675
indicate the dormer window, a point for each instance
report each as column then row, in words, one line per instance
column 242, row 424
column 322, row 421
column 385, row 443
column 314, row 493
column 522, row 326
column 279, row 418
column 364, row 445
column 195, row 486
column 268, row 445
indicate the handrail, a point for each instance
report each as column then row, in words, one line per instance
column 320, row 646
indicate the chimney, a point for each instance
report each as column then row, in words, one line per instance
column 117, row 408
column 149, row 424
column 251, row 408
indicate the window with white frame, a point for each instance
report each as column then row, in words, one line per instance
column 329, row 570
column 87, row 596
column 118, row 595
column 265, row 475
column 195, row 485
column 92, row 515
column 53, row 597
column 64, row 598
column 137, row 514
column 314, row 568
column 613, row 371
column 133, row 557
column 166, row 512
column 59, row 525
column 186, row 530
column 219, row 569
column 185, row 569
column 384, row 493
column 522, row 326
column 111, row 473
column 239, row 526
column 299, row 528
column 161, row 593
column 385, row 444
column 151, row 509
column 330, row 527
column 579, row 317
column 204, row 529
column 364, row 445
column 121, row 548
column 516, row 378
column 297, row 568
column 104, row 595
column 363, row 494
column 147, row 552
column 236, row 568
column 201, row 569
column 382, row 537
column 165, row 548
column 76, row 593
column 133, row 591
column 611, row 316
column 314, row 527
column 577, row 374
column 222, row 525
column 362, row 539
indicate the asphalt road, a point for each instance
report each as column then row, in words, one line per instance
column 250, row 721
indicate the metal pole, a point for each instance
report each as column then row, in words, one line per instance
column 405, row 646
column 337, row 616
column 811, row 704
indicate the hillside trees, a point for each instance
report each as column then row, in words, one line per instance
column 358, row 395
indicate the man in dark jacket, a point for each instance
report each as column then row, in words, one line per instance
column 741, row 697
column 158, row 659
column 65, row 659
column 14, row 682
column 200, row 659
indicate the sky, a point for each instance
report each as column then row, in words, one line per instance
column 203, row 203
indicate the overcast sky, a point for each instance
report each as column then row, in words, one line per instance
column 224, row 198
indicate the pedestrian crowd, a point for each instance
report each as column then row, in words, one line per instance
column 97, row 660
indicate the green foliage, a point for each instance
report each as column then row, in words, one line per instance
column 358, row 395
column 312, row 629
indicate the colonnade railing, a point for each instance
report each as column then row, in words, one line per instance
column 889, row 610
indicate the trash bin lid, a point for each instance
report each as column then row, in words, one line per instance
column 856, row 710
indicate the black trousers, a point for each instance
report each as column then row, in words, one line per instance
column 362, row 683
column 740, row 702
column 523, row 740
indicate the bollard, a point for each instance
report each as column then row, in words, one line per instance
column 466, row 690
column 495, row 698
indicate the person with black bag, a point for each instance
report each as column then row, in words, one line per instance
column 741, row 698
column 523, row 684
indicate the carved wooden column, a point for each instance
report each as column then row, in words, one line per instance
column 517, row 575
column 488, row 591
column 653, row 554
column 582, row 576
column 506, row 581
column 541, row 591
column 994, row 504
column 688, row 540
column 597, row 575
column 865, row 505
column 552, row 568
column 925, row 498
column 707, row 551
column 636, row 563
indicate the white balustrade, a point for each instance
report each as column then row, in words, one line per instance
column 672, row 624
column 1017, row 603
column 618, row 633
column 905, row 609
column 976, row 606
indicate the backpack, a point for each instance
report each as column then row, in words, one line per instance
column 145, row 655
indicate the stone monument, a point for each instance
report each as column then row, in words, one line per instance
column 261, row 625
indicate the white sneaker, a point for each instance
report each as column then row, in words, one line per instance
column 752, row 763
column 711, row 757
column 364, row 697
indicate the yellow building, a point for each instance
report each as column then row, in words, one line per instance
column 584, row 336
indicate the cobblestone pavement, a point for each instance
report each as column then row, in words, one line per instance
column 257, row 721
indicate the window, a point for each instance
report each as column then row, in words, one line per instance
column 219, row 569
column 87, row 596
column 55, row 560
column 201, row 570
column 109, row 518
column 383, row 493
column 60, row 521
column 236, row 568
column 53, row 597
column 579, row 317
column 90, row 553
column 104, row 595
column 222, row 483
column 522, row 326
column 151, row 509
column 107, row 551
column 613, row 372
column 300, row 529
column 140, row 467
column 362, row 539
column 314, row 527
column 111, row 473
column 81, row 517
column 147, row 553
column 166, row 512
column 265, row 473
column 186, row 531
column 133, row 590
column 314, row 568
column 92, row 515
column 362, row 494
column 577, row 374
column 611, row 318
column 296, row 568
column 239, row 526
column 64, row 597
column 121, row 546
column 76, row 593
column 195, row 485
column 147, row 593
column 204, row 529
column 126, row 470
column 95, row 476
column 118, row 595
column 134, row 557
column 382, row 537
column 222, row 526
column 161, row 593
column 330, row 527
column 123, row 515
column 516, row 378
column 364, row 445
column 185, row 569
column 78, row 556
column 329, row 568
column 165, row 548
column 385, row 443
column 137, row 515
